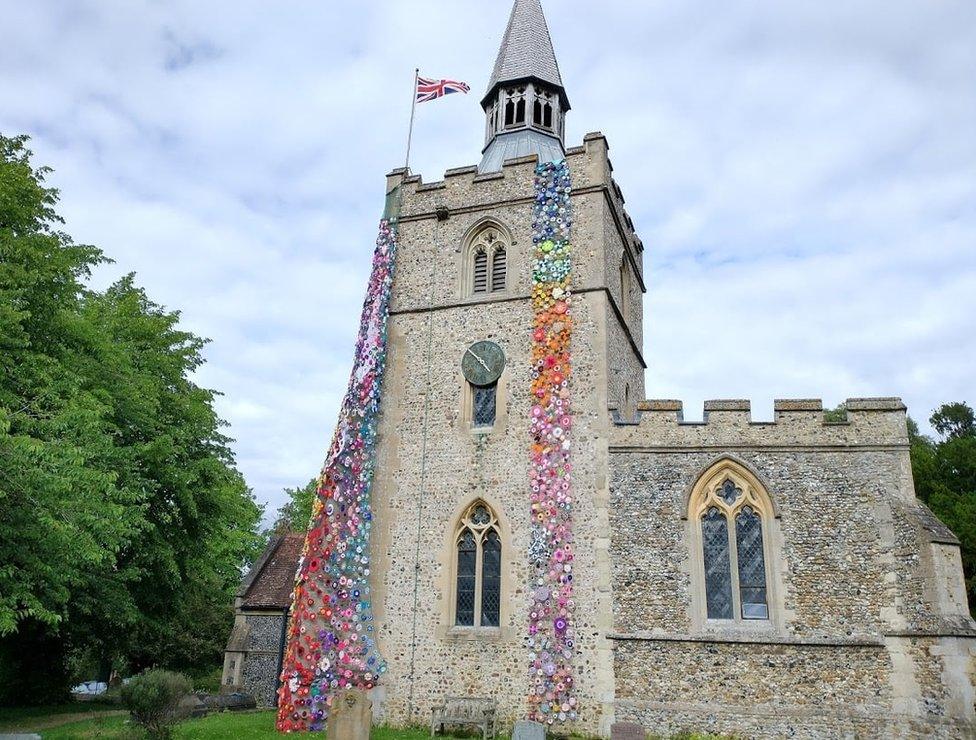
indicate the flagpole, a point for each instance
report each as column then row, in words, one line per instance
column 413, row 108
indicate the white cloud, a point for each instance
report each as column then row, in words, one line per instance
column 801, row 173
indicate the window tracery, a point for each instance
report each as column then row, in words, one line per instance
column 731, row 516
column 478, row 548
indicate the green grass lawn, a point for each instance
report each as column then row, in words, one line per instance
column 15, row 718
column 223, row 726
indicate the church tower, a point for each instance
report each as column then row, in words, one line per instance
column 452, row 493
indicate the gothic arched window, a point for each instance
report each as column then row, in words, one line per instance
column 478, row 551
column 542, row 110
column 514, row 106
column 488, row 265
column 731, row 514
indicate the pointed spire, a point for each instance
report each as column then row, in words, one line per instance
column 526, row 50
column 525, row 106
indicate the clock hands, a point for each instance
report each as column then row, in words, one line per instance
column 468, row 351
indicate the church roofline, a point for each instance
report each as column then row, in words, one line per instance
column 728, row 425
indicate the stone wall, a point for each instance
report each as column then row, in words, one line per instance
column 858, row 634
column 261, row 662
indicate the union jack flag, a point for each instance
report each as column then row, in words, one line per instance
column 428, row 89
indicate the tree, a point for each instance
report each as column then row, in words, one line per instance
column 838, row 413
column 125, row 520
column 945, row 478
column 954, row 421
column 294, row 514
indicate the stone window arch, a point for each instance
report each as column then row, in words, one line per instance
column 477, row 568
column 731, row 518
column 485, row 261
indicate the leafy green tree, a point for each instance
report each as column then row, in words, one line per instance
column 838, row 413
column 945, row 477
column 294, row 514
column 125, row 520
column 954, row 421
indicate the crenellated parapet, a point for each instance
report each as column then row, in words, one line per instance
column 728, row 424
column 466, row 190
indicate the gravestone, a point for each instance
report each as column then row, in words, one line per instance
column 627, row 731
column 526, row 730
column 350, row 716
column 192, row 705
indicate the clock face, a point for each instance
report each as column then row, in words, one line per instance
column 483, row 363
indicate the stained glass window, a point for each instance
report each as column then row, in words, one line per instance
column 467, row 555
column 483, row 412
column 491, row 579
column 752, row 566
column 733, row 513
column 718, row 576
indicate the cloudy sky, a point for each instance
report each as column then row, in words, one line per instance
column 803, row 176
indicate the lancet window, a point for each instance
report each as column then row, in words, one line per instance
column 478, row 548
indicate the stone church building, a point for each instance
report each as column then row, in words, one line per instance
column 762, row 579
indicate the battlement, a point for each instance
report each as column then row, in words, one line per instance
column 463, row 189
column 728, row 423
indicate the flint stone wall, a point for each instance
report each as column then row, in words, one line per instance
column 858, row 637
column 261, row 662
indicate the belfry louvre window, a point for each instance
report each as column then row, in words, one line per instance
column 478, row 548
column 480, row 271
column 498, row 270
column 489, row 263
column 732, row 516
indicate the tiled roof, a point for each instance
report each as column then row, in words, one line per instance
column 526, row 49
column 270, row 583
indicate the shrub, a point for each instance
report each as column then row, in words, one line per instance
column 153, row 698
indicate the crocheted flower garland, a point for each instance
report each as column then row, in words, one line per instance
column 330, row 642
column 551, row 637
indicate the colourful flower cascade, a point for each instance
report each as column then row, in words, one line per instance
column 330, row 635
column 550, row 639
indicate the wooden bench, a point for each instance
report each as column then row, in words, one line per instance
column 465, row 710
